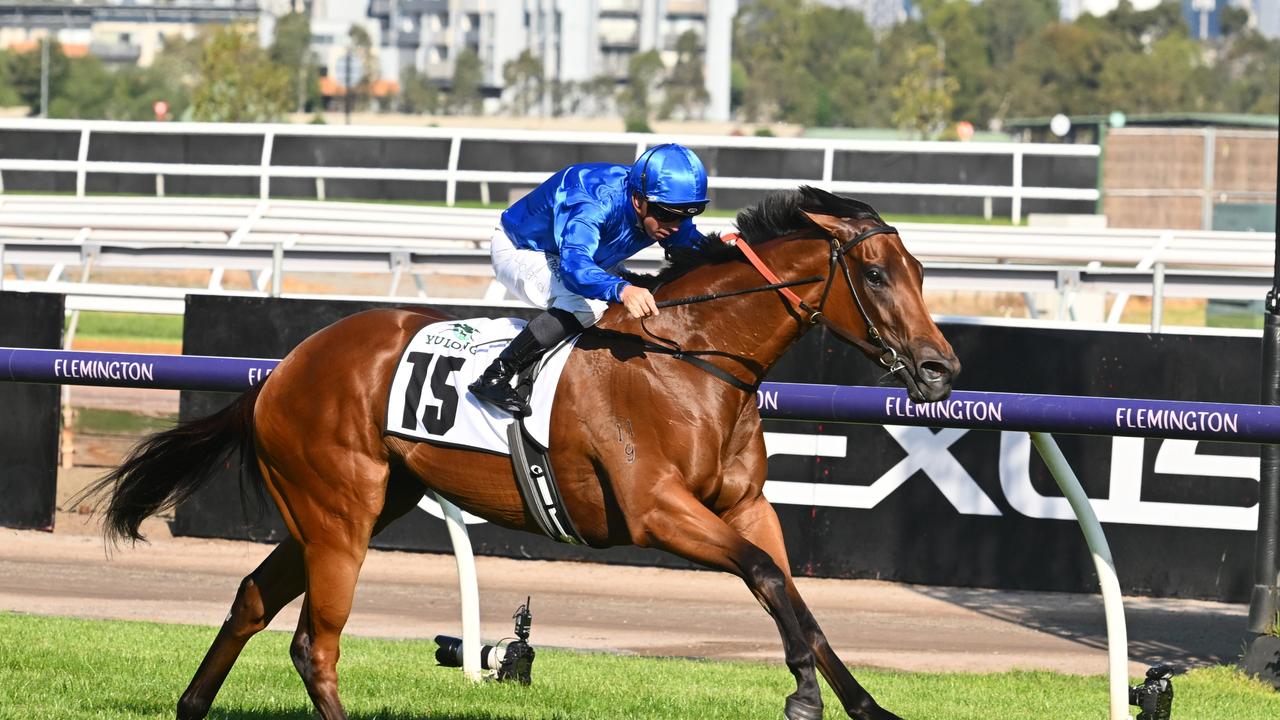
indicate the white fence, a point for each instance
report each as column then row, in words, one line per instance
column 269, row 238
column 265, row 170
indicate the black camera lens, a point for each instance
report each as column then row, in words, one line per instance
column 449, row 651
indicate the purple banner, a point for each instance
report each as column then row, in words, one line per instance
column 171, row 372
column 780, row 401
column 1080, row 415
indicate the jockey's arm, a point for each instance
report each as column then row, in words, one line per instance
column 578, row 242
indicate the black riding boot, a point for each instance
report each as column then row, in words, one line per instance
column 494, row 386
column 541, row 334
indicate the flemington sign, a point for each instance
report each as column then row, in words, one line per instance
column 776, row 401
column 1078, row 415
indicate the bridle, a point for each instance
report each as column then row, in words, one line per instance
column 875, row 343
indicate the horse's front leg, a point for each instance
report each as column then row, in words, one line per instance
column 758, row 523
column 679, row 523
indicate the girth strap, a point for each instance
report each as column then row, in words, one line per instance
column 538, row 487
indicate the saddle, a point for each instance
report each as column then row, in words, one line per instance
column 428, row 401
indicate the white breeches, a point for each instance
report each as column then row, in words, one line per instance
column 534, row 277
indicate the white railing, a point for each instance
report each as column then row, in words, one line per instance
column 269, row 263
column 300, row 223
column 264, row 170
column 274, row 237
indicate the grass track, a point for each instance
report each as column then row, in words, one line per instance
column 64, row 668
column 139, row 326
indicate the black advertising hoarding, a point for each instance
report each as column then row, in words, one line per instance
column 912, row 504
column 30, row 422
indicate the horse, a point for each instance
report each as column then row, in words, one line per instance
column 655, row 437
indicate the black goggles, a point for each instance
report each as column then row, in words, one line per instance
column 671, row 213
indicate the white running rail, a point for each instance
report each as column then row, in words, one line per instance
column 264, row 170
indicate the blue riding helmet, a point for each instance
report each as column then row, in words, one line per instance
column 670, row 175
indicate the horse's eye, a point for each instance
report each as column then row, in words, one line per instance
column 875, row 276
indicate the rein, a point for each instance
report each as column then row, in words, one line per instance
column 731, row 293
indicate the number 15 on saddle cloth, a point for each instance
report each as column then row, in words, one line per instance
column 428, row 399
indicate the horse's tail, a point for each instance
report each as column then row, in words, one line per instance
column 168, row 467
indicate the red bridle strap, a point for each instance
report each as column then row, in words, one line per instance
column 732, row 239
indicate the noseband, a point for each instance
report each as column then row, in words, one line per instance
column 875, row 343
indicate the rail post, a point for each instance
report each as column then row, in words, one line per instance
column 1264, row 602
column 468, row 588
column 1108, row 582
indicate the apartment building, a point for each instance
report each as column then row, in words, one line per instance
column 577, row 40
column 116, row 32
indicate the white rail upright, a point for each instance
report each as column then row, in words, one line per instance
column 468, row 587
column 1112, row 602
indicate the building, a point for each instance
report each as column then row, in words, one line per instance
column 878, row 13
column 578, row 41
column 121, row 33
column 1202, row 16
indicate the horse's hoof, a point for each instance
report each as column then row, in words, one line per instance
column 801, row 710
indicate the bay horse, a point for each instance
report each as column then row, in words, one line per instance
column 649, row 450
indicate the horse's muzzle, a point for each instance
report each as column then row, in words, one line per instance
column 931, row 374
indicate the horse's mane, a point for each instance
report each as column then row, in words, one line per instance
column 778, row 214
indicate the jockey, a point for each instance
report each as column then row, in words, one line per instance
column 557, row 246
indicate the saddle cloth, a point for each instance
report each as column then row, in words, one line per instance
column 429, row 401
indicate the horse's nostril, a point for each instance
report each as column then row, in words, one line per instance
column 933, row 371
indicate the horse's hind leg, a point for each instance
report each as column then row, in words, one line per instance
column 264, row 592
column 274, row 584
column 330, row 504
column 332, row 571
column 681, row 524
column 758, row 523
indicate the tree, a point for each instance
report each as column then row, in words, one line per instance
column 1058, row 70
column 291, row 48
column 175, row 72
column 1008, row 23
column 1247, row 75
column 924, row 95
column 1141, row 28
column 566, row 97
column 239, row 82
column 360, row 54
column 1160, row 80
column 805, row 63
column 1232, row 20
column 24, row 73
column 524, row 79
column 599, row 94
column 686, row 89
column 954, row 29
column 84, row 91
column 418, row 94
column 465, row 97
column 644, row 74
column 8, row 93
column 764, row 33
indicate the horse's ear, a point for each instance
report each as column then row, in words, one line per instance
column 837, row 227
